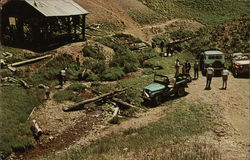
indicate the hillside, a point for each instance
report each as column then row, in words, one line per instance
column 127, row 13
column 118, row 54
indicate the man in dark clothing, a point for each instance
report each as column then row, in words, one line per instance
column 196, row 70
column 162, row 44
column 187, row 66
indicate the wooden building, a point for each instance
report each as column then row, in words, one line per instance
column 42, row 22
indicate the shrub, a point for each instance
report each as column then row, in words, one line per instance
column 94, row 52
column 181, row 34
column 146, row 54
column 159, row 38
column 93, row 77
column 66, row 95
column 96, row 66
column 112, row 74
column 127, row 37
column 76, row 87
column 126, row 60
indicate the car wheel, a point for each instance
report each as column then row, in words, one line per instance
column 235, row 73
column 181, row 91
column 157, row 100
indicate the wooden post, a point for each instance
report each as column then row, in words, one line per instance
column 83, row 26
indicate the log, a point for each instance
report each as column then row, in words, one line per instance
column 115, row 112
column 11, row 68
column 20, row 81
column 36, row 129
column 81, row 104
column 31, row 113
column 114, row 118
column 119, row 101
column 23, row 83
column 29, row 61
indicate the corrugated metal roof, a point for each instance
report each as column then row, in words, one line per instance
column 50, row 8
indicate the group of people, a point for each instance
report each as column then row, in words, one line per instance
column 210, row 75
column 186, row 67
column 163, row 44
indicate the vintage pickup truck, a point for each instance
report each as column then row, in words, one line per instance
column 163, row 87
column 240, row 64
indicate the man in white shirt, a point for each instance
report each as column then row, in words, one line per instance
column 225, row 74
column 177, row 66
column 47, row 92
column 210, row 74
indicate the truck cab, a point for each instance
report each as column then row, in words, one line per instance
column 215, row 58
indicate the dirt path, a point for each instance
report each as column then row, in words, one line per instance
column 232, row 105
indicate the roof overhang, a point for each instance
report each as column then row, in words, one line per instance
column 53, row 8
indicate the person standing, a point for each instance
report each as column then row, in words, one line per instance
column 210, row 74
column 47, row 92
column 63, row 75
column 225, row 74
column 171, row 51
column 187, row 67
column 184, row 71
column 177, row 67
column 196, row 70
column 162, row 44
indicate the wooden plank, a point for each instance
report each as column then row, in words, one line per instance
column 29, row 61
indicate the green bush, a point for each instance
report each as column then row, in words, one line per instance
column 127, row 37
column 96, row 66
column 126, row 60
column 112, row 74
column 93, row 77
column 92, row 51
column 66, row 95
column 76, row 87
column 181, row 34
column 159, row 38
column 146, row 54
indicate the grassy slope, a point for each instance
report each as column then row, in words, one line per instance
column 161, row 140
column 16, row 104
column 205, row 11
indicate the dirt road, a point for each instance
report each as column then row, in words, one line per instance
column 232, row 106
column 231, row 136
